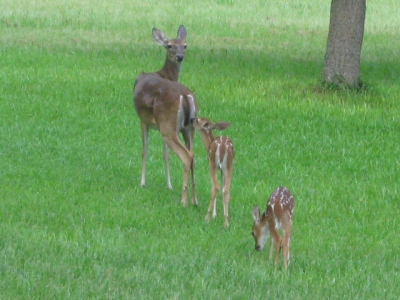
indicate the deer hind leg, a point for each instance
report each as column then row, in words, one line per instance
column 186, row 157
column 212, row 208
column 227, row 175
column 166, row 159
column 188, row 138
column 145, row 142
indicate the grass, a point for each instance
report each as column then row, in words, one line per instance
column 75, row 223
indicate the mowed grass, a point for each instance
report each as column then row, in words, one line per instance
column 75, row 223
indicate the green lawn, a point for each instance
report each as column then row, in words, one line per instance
column 74, row 221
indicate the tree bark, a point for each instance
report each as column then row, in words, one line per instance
column 343, row 50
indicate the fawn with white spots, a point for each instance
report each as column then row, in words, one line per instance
column 220, row 156
column 278, row 215
column 168, row 106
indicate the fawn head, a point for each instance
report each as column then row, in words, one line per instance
column 176, row 48
column 260, row 229
column 203, row 124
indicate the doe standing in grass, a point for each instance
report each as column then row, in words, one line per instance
column 220, row 156
column 169, row 107
column 278, row 215
column 176, row 49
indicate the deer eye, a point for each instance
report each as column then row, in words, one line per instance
column 169, row 46
column 185, row 46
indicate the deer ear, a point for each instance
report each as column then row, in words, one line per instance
column 159, row 36
column 182, row 32
column 221, row 125
column 256, row 214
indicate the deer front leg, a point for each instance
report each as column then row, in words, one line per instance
column 277, row 240
column 271, row 247
column 194, row 198
column 286, row 244
column 145, row 143
column 286, row 253
column 278, row 246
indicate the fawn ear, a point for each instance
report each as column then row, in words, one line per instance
column 182, row 32
column 221, row 125
column 159, row 36
column 256, row 214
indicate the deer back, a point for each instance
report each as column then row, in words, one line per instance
column 280, row 206
column 161, row 101
column 221, row 151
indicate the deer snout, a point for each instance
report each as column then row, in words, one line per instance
column 259, row 248
column 179, row 57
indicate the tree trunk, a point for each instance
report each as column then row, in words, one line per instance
column 343, row 50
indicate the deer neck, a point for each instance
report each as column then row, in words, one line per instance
column 207, row 139
column 170, row 70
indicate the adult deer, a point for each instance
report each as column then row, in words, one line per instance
column 171, row 108
column 153, row 97
column 278, row 215
column 220, row 156
column 176, row 49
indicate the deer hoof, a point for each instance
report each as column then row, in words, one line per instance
column 207, row 218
